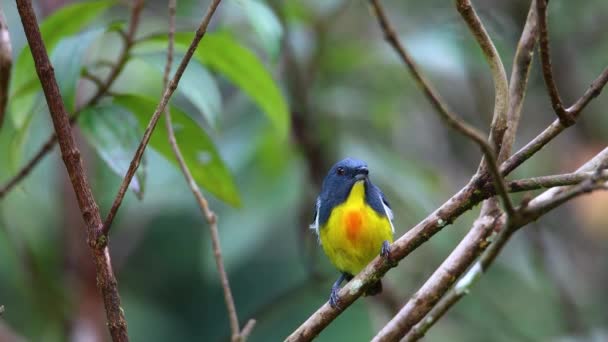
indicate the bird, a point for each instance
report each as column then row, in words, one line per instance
column 353, row 221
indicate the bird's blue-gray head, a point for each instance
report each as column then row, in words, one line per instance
column 339, row 181
column 337, row 186
column 342, row 176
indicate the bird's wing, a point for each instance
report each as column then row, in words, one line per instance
column 315, row 223
column 387, row 209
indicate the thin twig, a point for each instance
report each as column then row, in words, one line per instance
column 552, row 181
column 545, row 57
column 592, row 92
column 567, row 116
column 6, row 62
column 440, row 281
column 475, row 242
column 71, row 157
column 500, row 123
column 530, row 212
column 209, row 215
column 507, row 229
column 555, row 128
column 101, row 91
column 94, row 79
column 200, row 32
column 499, row 76
column 447, row 115
column 519, row 79
column 462, row 201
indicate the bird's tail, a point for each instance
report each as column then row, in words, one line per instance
column 374, row 289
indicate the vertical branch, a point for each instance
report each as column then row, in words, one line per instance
column 448, row 116
column 500, row 121
column 475, row 242
column 73, row 163
column 209, row 215
column 200, row 33
column 519, row 79
column 545, row 56
column 530, row 211
column 6, row 62
column 499, row 76
column 567, row 116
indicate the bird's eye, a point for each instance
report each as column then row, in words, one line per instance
column 340, row 171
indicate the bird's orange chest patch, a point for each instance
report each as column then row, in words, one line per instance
column 353, row 222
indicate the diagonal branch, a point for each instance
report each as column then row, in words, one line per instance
column 200, row 33
column 545, row 56
column 519, row 79
column 6, row 62
column 475, row 242
column 469, row 196
column 447, row 115
column 102, row 90
column 553, row 181
column 209, row 215
column 567, row 116
column 530, row 212
column 499, row 76
column 73, row 163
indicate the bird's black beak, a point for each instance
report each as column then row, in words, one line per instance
column 362, row 173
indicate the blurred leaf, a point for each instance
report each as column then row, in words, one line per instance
column 114, row 134
column 197, row 85
column 222, row 53
column 200, row 154
column 67, row 60
column 20, row 137
column 265, row 23
column 67, row 21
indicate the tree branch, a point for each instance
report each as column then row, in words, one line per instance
column 567, row 116
column 519, row 79
column 440, row 281
column 209, row 215
column 545, row 56
column 476, row 240
column 555, row 128
column 553, row 181
column 73, row 163
column 592, row 92
column 200, row 33
column 6, row 62
column 448, row 116
column 102, row 91
column 499, row 76
column 529, row 213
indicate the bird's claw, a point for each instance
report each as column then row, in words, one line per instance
column 385, row 252
column 334, row 298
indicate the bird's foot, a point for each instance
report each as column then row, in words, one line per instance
column 385, row 252
column 334, row 298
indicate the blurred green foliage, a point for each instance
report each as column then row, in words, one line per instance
column 277, row 91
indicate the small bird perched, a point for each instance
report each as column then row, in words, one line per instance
column 353, row 221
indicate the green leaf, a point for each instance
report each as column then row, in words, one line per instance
column 114, row 133
column 22, row 135
column 219, row 51
column 67, row 21
column 197, row 85
column 265, row 23
column 200, row 154
column 67, row 60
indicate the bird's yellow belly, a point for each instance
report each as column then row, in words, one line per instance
column 353, row 235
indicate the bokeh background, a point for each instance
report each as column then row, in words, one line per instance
column 348, row 95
